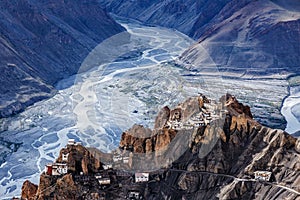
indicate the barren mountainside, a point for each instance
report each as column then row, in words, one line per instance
column 247, row 38
column 253, row 39
column 44, row 41
column 219, row 162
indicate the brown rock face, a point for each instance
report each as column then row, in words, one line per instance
column 79, row 159
column 162, row 118
column 191, row 106
column 45, row 190
column 188, row 182
column 136, row 137
column 234, row 107
column 155, row 141
column 29, row 190
column 66, row 188
column 144, row 140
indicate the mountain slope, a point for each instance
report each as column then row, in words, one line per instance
column 184, row 16
column 43, row 42
column 253, row 39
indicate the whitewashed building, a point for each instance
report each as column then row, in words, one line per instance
column 126, row 159
column 104, row 181
column 262, row 175
column 107, row 166
column 65, row 157
column 134, row 195
column 117, row 158
column 71, row 142
column 141, row 177
column 56, row 169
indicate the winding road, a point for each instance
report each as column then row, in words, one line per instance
column 236, row 179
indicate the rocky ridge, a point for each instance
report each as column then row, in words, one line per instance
column 223, row 170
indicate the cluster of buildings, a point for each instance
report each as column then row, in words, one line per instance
column 141, row 177
column 121, row 158
column 103, row 178
column 202, row 118
column 56, row 169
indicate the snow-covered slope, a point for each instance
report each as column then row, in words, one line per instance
column 42, row 42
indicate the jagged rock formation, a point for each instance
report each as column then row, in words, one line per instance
column 219, row 162
column 145, row 140
column 28, row 190
column 44, row 41
column 153, row 149
column 78, row 159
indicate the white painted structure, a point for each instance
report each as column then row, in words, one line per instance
column 141, row 177
column 134, row 195
column 71, row 142
column 262, row 175
column 56, row 169
column 121, row 158
column 126, row 160
column 65, row 157
column 107, row 166
column 104, row 181
column 117, row 158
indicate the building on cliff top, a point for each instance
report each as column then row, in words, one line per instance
column 56, row 169
column 72, row 142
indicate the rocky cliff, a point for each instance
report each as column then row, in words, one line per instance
column 44, row 41
column 220, row 161
column 79, row 160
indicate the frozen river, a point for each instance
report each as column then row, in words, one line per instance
column 131, row 79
